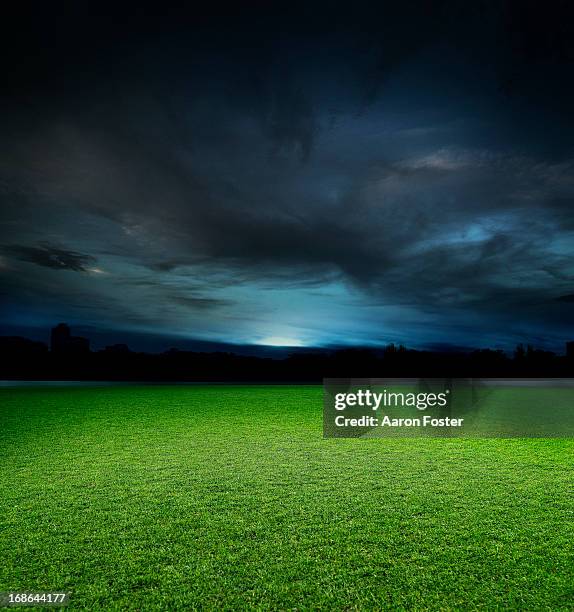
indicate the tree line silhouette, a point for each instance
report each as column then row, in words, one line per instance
column 72, row 359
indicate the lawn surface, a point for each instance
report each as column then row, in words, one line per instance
column 178, row 497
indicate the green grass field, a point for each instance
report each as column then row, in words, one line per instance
column 228, row 497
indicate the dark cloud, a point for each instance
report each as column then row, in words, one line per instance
column 291, row 125
column 568, row 298
column 50, row 256
column 199, row 302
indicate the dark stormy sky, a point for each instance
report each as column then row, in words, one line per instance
column 303, row 175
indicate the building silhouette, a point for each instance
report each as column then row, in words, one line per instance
column 570, row 350
column 62, row 341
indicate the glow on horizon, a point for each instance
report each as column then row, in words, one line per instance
column 279, row 341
